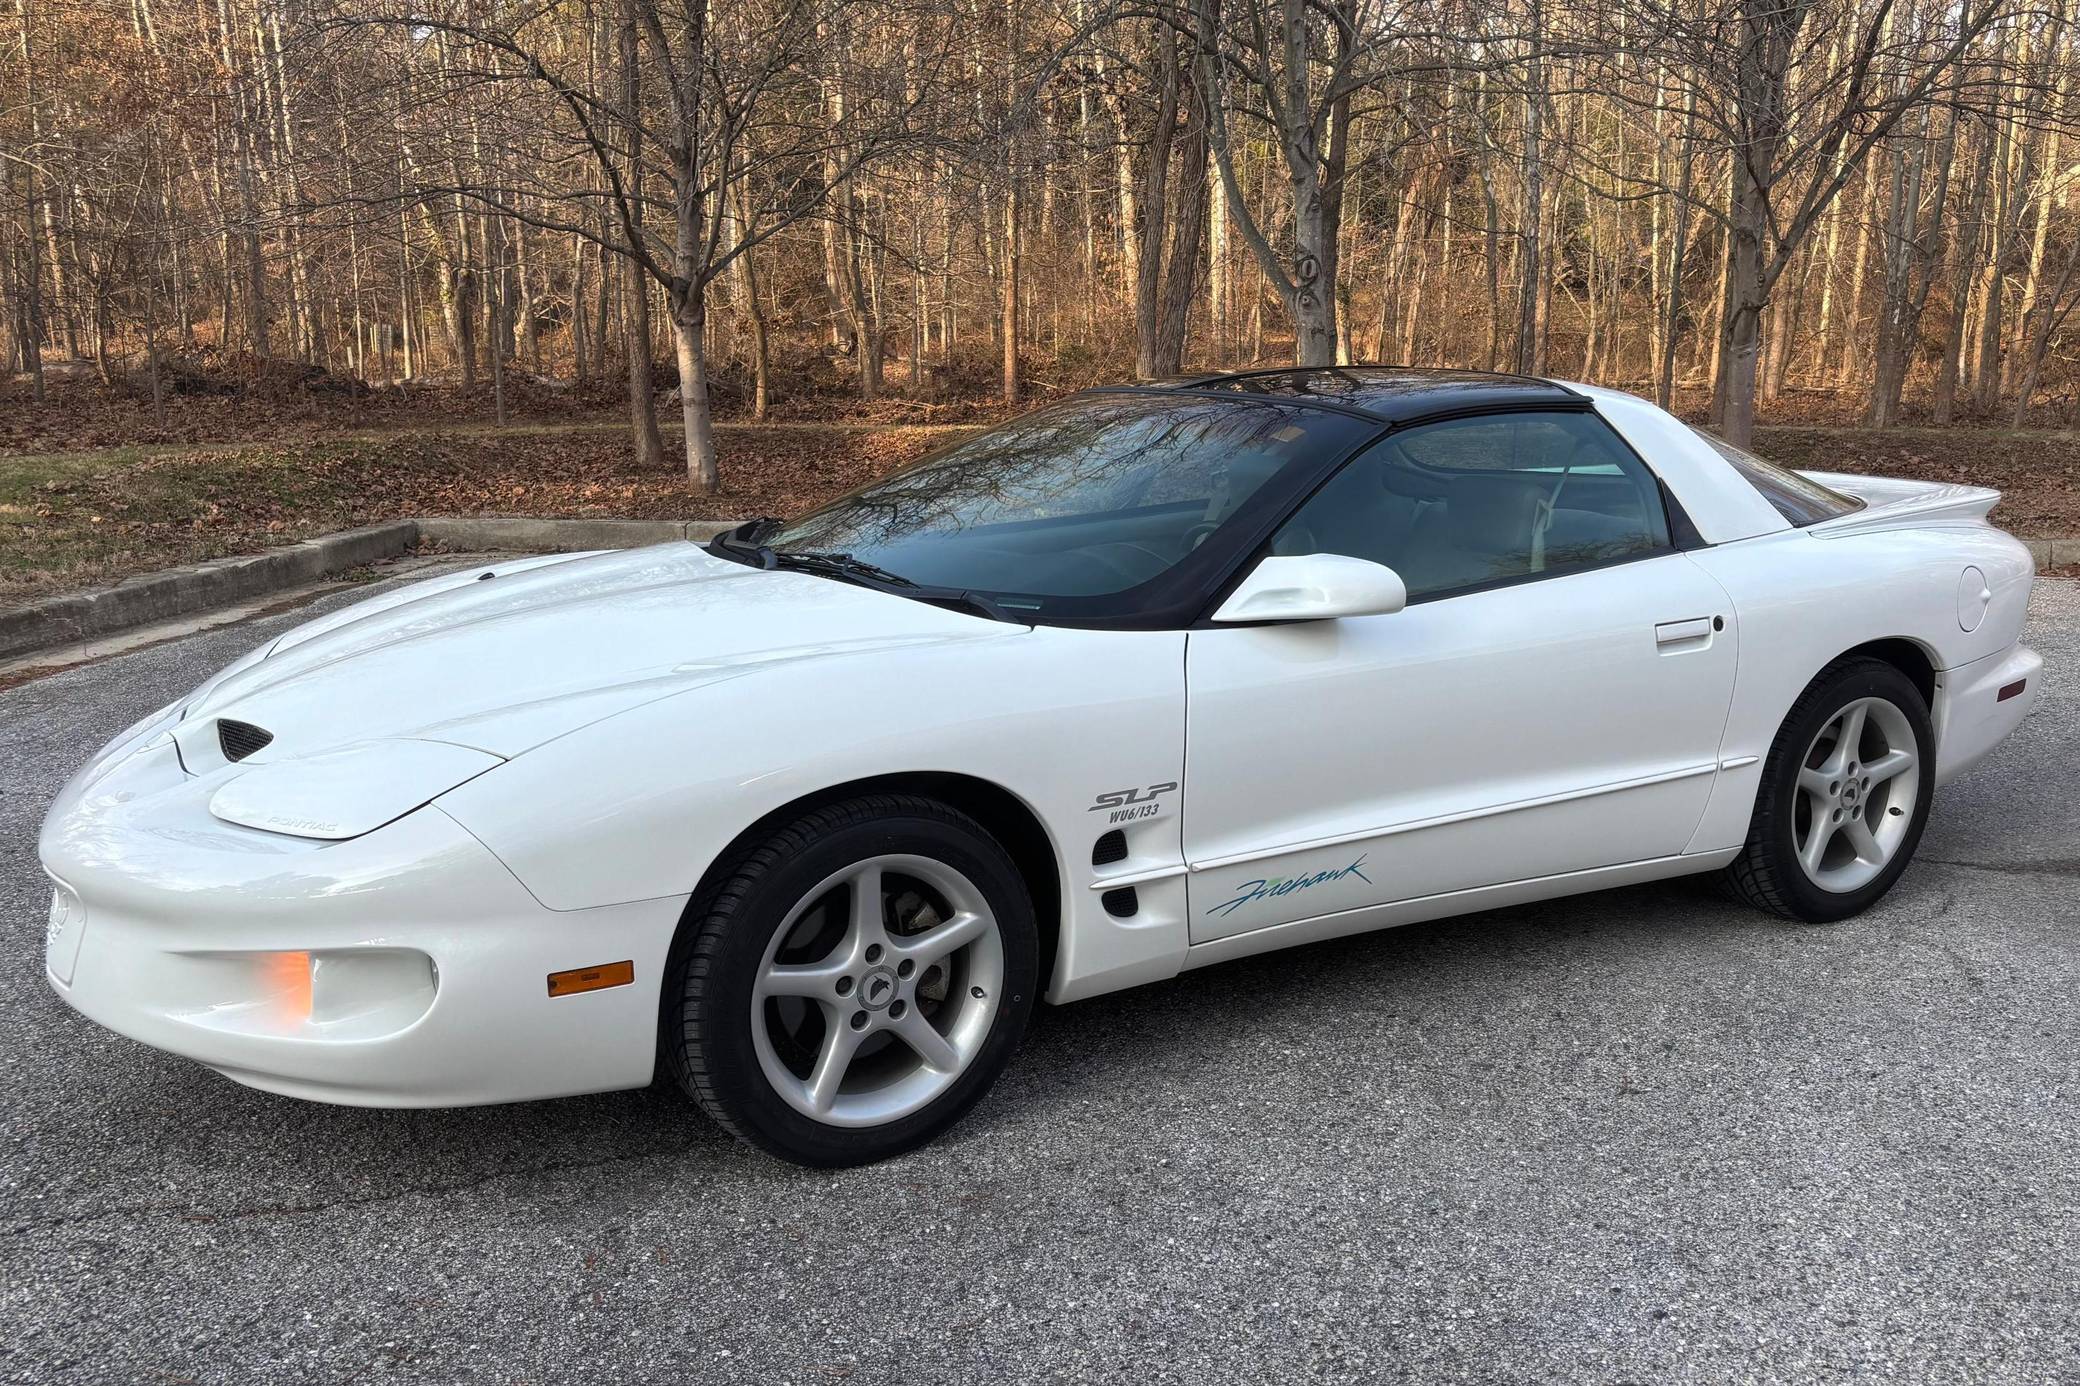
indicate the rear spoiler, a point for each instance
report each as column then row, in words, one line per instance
column 1896, row 503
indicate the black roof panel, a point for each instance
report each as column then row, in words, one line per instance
column 1393, row 393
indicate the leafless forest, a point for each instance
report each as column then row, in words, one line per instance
column 1750, row 198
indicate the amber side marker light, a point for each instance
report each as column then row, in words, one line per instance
column 2012, row 690
column 579, row 979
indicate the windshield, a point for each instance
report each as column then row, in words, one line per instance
column 1069, row 509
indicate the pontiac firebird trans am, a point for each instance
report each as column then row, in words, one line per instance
column 812, row 816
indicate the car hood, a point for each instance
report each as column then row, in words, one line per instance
column 504, row 657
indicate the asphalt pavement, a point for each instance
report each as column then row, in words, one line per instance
column 1644, row 1136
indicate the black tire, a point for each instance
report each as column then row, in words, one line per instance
column 1767, row 873
column 708, row 1013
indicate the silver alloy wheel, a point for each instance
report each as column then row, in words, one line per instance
column 1857, row 788
column 877, row 990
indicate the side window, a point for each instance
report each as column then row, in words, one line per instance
column 1472, row 501
column 1801, row 500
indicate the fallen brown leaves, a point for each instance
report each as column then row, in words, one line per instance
column 93, row 522
column 2037, row 474
column 81, row 414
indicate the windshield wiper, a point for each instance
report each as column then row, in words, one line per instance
column 846, row 568
column 971, row 601
column 839, row 565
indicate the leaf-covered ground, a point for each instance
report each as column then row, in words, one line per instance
column 260, row 476
column 2037, row 474
column 79, row 519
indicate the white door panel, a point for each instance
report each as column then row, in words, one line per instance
column 1547, row 726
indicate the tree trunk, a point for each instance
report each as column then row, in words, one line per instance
column 1963, row 255
column 689, row 332
column 32, row 278
column 1187, row 230
column 642, row 369
column 1678, row 263
column 1008, row 317
column 1154, row 205
column 1530, row 260
column 746, row 272
column 1740, row 329
column 2053, row 313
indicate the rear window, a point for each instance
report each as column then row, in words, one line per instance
column 1801, row 501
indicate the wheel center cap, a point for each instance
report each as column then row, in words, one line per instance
column 877, row 989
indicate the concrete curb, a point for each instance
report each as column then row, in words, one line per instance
column 2053, row 553
column 197, row 587
column 161, row 596
column 178, row 591
column 518, row 534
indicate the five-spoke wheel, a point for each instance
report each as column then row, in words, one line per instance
column 1857, row 789
column 878, row 990
column 856, row 983
column 1845, row 792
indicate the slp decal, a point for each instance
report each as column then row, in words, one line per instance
column 1250, row 891
column 1129, row 804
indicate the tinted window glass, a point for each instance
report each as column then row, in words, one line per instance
column 1797, row 499
column 1471, row 501
column 1089, row 499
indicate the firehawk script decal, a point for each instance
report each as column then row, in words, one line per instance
column 1251, row 891
column 1126, row 805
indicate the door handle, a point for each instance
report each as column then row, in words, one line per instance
column 1683, row 634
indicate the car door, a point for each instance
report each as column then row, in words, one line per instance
column 1551, row 700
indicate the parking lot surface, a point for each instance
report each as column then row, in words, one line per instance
column 1645, row 1136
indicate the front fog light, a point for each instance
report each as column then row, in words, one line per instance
column 319, row 994
column 374, row 989
column 288, row 983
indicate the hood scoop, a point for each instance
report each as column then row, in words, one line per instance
column 506, row 665
column 239, row 739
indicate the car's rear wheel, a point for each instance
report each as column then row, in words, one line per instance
column 857, row 984
column 1845, row 793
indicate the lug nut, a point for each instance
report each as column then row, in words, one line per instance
column 896, row 1009
column 873, row 952
column 906, row 967
column 859, row 1020
column 844, row 986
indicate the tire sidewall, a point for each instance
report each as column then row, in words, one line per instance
column 1830, row 694
column 722, row 1015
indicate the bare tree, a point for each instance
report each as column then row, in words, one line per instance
column 1298, row 63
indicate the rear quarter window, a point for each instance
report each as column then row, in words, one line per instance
column 1798, row 499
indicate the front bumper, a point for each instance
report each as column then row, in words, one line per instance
column 1980, row 705
column 406, row 967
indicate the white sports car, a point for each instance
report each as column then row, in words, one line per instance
column 811, row 817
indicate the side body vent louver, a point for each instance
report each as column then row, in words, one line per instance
column 240, row 739
column 1110, row 848
column 1122, row 903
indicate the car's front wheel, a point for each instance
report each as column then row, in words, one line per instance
column 857, row 984
column 1845, row 793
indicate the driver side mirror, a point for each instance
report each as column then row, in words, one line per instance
column 1314, row 587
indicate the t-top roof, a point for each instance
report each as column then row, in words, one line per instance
column 1393, row 393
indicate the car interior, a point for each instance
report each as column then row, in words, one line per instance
column 1484, row 506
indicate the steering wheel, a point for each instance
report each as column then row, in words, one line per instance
column 1196, row 535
